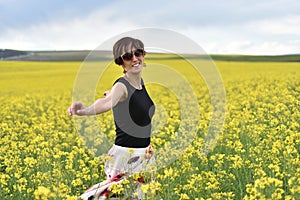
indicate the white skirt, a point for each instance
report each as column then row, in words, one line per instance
column 121, row 162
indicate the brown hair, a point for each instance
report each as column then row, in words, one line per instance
column 125, row 44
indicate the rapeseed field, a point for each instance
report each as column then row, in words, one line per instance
column 257, row 156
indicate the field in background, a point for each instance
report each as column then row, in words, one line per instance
column 80, row 55
column 257, row 156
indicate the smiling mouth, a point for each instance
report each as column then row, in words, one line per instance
column 136, row 65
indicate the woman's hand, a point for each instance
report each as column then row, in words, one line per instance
column 77, row 108
column 112, row 97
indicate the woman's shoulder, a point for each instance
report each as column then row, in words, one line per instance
column 121, row 81
column 117, row 80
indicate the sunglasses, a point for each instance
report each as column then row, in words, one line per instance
column 136, row 53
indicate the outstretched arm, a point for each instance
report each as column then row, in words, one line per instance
column 116, row 94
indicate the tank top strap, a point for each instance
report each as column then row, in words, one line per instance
column 129, row 88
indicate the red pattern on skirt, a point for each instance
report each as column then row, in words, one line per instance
column 126, row 161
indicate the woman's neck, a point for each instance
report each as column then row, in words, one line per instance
column 134, row 79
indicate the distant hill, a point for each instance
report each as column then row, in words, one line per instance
column 258, row 58
column 9, row 53
column 80, row 55
column 53, row 55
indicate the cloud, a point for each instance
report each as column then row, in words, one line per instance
column 190, row 13
column 21, row 14
column 217, row 26
column 287, row 25
column 76, row 33
column 271, row 48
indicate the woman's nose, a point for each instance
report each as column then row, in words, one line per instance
column 133, row 57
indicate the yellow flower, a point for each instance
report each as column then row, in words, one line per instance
column 116, row 188
column 30, row 161
column 76, row 182
column 130, row 150
column 144, row 188
column 43, row 193
column 184, row 197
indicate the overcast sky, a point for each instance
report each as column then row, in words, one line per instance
column 221, row 27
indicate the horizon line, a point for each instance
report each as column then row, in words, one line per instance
column 90, row 50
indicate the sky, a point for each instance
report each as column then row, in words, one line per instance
column 255, row 27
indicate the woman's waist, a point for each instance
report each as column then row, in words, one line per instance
column 135, row 150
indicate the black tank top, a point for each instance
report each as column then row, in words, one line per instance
column 133, row 117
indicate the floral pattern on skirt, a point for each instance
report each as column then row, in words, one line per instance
column 122, row 162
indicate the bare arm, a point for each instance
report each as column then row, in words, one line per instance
column 116, row 94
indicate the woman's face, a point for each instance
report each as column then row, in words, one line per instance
column 133, row 61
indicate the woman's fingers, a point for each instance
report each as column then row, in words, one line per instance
column 69, row 111
column 75, row 108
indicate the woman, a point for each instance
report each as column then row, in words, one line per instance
column 133, row 110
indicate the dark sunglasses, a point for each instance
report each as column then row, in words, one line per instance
column 137, row 53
